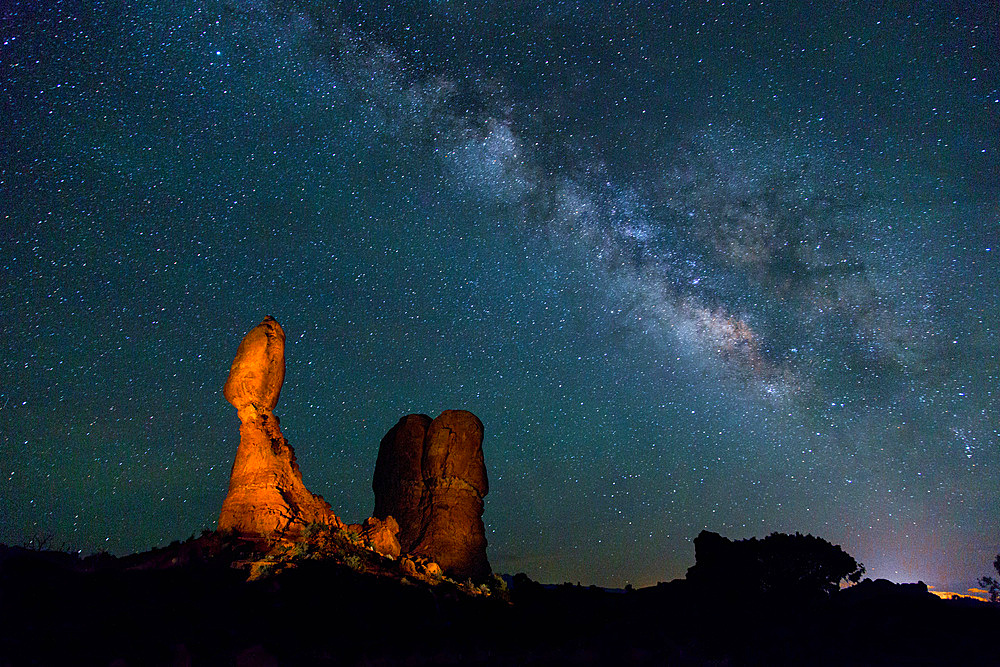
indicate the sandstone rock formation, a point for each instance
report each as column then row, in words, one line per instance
column 266, row 494
column 258, row 371
column 399, row 479
column 430, row 476
column 379, row 534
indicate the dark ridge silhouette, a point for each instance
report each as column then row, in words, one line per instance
column 331, row 600
column 778, row 566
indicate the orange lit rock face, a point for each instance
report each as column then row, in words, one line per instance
column 430, row 476
column 258, row 371
column 266, row 494
column 380, row 534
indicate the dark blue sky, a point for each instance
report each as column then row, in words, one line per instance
column 704, row 265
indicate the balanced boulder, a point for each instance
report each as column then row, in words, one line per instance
column 266, row 494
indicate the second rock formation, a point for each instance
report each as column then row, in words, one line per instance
column 431, row 477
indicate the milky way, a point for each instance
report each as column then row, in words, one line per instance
column 699, row 266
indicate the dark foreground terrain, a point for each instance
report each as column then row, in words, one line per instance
column 188, row 605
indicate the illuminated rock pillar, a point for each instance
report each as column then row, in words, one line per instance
column 266, row 494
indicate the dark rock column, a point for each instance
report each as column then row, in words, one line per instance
column 431, row 477
column 399, row 480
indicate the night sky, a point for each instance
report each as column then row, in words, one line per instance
column 695, row 265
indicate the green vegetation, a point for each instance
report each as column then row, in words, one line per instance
column 323, row 542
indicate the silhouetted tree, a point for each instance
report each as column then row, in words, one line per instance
column 779, row 565
column 992, row 585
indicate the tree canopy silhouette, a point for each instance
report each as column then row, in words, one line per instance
column 779, row 565
column 992, row 585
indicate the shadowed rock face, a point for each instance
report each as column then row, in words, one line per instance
column 266, row 493
column 399, row 479
column 430, row 476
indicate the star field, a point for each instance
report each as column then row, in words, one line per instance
column 724, row 266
